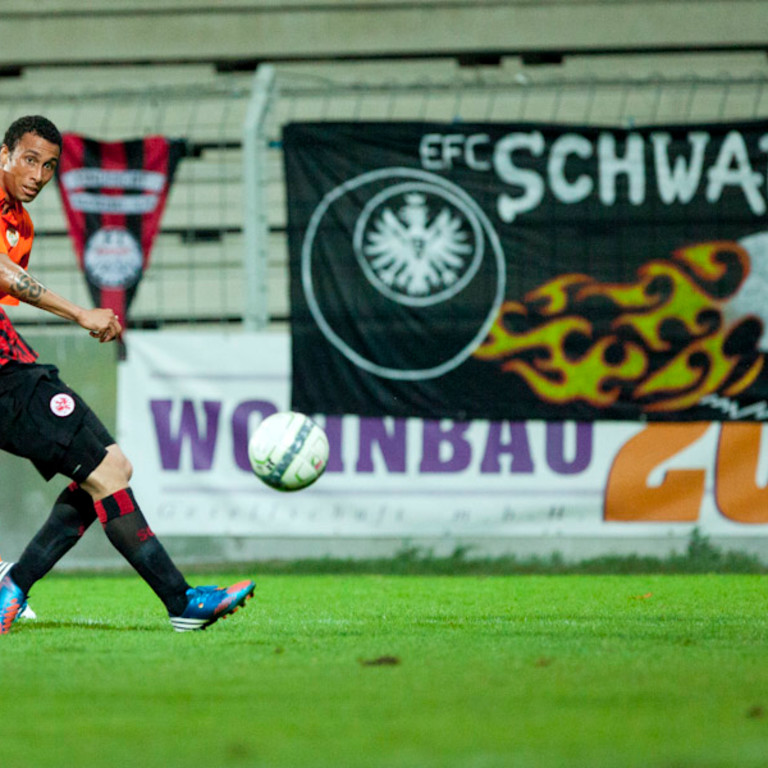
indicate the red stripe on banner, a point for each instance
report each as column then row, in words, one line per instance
column 155, row 159
column 113, row 159
column 115, row 299
column 73, row 149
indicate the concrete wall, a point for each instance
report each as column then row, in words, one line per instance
column 69, row 31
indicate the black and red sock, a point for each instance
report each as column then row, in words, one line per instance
column 128, row 531
column 70, row 517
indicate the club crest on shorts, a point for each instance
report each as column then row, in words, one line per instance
column 62, row 404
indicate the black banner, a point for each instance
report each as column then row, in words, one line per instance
column 114, row 194
column 529, row 271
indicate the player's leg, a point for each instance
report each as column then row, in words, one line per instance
column 128, row 531
column 93, row 460
column 72, row 513
column 71, row 440
column 41, row 435
column 106, row 493
column 120, row 516
column 71, row 516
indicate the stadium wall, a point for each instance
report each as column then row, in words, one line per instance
column 374, row 501
column 117, row 70
column 275, row 30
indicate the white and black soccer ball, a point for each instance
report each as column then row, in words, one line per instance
column 288, row 451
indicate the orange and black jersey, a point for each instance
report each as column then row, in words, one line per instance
column 16, row 235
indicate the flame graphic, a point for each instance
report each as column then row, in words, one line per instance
column 659, row 342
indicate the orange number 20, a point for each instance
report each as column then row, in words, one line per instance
column 678, row 498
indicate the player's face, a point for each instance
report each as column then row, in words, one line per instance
column 31, row 165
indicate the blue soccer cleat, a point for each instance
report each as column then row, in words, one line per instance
column 26, row 612
column 209, row 604
column 12, row 601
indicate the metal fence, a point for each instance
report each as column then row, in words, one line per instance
column 196, row 265
column 221, row 255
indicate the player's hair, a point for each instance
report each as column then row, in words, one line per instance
column 37, row 124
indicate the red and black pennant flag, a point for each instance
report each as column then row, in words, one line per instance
column 114, row 194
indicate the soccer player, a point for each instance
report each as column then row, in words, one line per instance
column 45, row 421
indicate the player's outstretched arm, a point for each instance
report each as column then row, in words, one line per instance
column 17, row 282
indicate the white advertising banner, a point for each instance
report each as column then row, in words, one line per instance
column 188, row 401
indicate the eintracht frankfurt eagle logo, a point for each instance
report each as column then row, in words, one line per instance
column 417, row 244
column 422, row 254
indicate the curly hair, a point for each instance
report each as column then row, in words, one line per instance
column 37, row 124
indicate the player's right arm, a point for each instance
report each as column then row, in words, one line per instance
column 17, row 282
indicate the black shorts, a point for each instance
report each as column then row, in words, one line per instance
column 43, row 420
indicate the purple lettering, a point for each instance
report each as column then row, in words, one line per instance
column 374, row 431
column 434, row 437
column 202, row 444
column 240, row 428
column 516, row 446
column 333, row 429
column 556, row 448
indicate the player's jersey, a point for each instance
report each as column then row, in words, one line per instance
column 16, row 235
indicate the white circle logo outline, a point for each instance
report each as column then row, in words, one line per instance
column 332, row 336
column 445, row 293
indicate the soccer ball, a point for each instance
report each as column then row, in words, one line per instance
column 288, row 451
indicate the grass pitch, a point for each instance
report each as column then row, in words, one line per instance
column 398, row 671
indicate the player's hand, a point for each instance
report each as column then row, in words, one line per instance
column 102, row 324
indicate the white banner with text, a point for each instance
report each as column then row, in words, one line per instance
column 188, row 401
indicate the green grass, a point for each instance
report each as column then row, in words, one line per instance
column 364, row 671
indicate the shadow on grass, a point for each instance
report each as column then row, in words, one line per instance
column 41, row 624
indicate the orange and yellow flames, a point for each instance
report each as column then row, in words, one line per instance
column 659, row 342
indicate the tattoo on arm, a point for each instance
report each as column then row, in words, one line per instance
column 27, row 289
